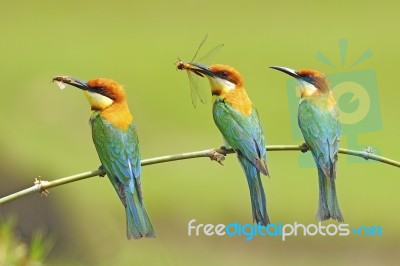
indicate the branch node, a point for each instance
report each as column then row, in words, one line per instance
column 367, row 152
column 41, row 189
column 217, row 156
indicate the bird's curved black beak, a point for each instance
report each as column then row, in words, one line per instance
column 72, row 81
column 287, row 70
column 201, row 70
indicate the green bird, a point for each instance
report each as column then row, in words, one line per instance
column 116, row 141
column 318, row 118
column 238, row 121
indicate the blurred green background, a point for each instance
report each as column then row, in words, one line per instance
column 44, row 131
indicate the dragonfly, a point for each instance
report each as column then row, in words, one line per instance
column 197, row 91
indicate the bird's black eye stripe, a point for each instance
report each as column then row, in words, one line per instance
column 308, row 78
column 100, row 90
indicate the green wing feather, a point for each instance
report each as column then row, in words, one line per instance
column 244, row 134
column 118, row 152
column 321, row 130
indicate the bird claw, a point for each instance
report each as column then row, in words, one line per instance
column 101, row 168
column 223, row 150
column 304, row 148
column 217, row 156
column 41, row 189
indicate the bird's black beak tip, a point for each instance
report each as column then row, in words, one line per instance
column 286, row 70
column 71, row 81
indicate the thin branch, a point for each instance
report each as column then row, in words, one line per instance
column 218, row 155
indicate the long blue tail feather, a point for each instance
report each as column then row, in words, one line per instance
column 257, row 194
column 138, row 221
column 328, row 206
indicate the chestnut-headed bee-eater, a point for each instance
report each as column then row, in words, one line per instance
column 318, row 118
column 238, row 121
column 116, row 141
